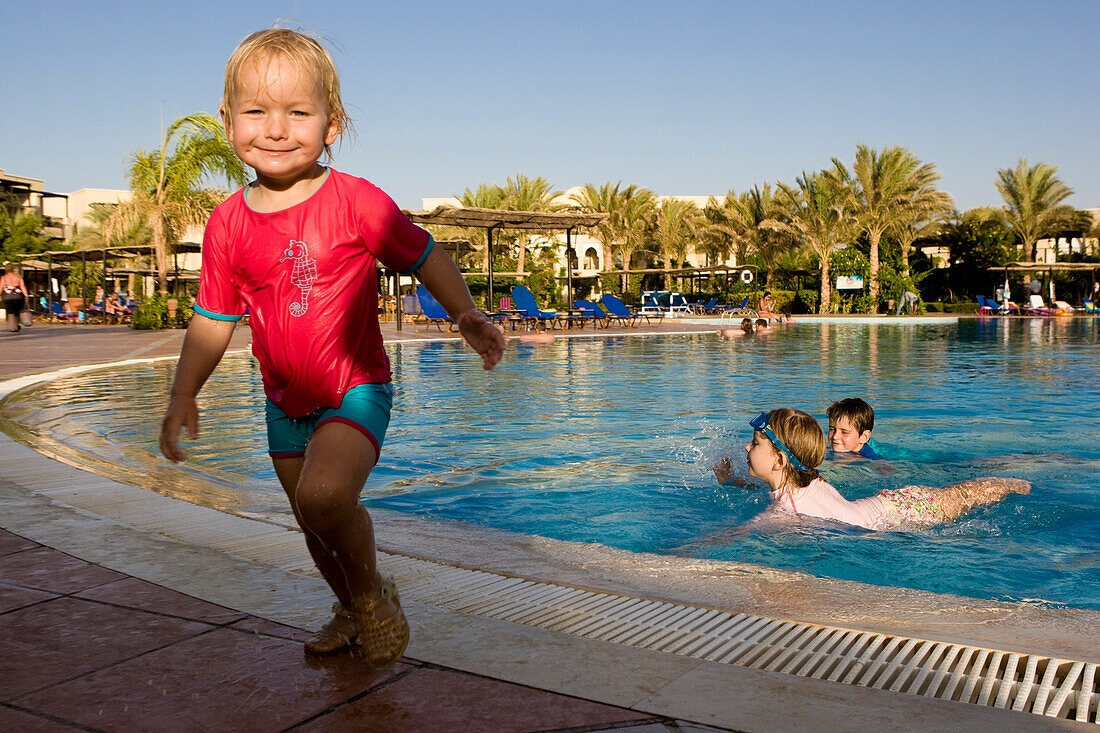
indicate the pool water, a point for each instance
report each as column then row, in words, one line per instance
column 610, row 440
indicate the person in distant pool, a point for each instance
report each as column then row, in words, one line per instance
column 788, row 445
column 851, row 421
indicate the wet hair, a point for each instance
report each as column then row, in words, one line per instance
column 306, row 54
column 761, row 323
column 803, row 437
column 746, row 325
column 858, row 412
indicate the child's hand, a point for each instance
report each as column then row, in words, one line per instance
column 482, row 336
column 182, row 411
column 723, row 471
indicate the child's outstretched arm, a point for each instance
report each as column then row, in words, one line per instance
column 443, row 280
column 203, row 347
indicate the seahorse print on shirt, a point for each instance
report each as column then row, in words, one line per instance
column 302, row 274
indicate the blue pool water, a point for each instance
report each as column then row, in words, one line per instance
column 610, row 440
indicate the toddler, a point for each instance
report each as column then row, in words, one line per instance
column 296, row 248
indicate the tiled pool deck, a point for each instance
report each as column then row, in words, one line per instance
column 110, row 623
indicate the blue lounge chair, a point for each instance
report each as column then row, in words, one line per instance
column 1090, row 307
column 986, row 307
column 530, row 311
column 593, row 312
column 618, row 310
column 707, row 307
column 740, row 310
column 58, row 313
column 677, row 303
column 431, row 312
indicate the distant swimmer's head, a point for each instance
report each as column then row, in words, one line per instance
column 851, row 421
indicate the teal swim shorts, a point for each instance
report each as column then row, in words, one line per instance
column 365, row 407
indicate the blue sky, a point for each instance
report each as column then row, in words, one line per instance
column 681, row 97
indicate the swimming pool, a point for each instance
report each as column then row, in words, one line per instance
column 610, row 440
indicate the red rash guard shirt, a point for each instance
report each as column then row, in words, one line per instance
column 307, row 277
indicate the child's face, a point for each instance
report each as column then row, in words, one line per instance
column 760, row 455
column 279, row 122
column 844, row 438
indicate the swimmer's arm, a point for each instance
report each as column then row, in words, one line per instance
column 444, row 281
column 203, row 347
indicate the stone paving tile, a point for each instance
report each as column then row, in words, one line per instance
column 221, row 681
column 58, row 640
column 13, row 597
column 270, row 628
column 135, row 593
column 19, row 722
column 14, row 543
column 47, row 569
column 431, row 700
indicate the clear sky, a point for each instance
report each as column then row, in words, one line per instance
column 682, row 97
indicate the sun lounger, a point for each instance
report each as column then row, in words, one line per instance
column 431, row 313
column 530, row 311
column 742, row 310
column 594, row 313
column 618, row 310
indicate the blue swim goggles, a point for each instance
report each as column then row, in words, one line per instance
column 761, row 423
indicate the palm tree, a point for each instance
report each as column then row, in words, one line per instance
column 165, row 185
column 676, row 224
column 819, row 215
column 487, row 196
column 639, row 221
column 883, row 187
column 628, row 225
column 607, row 199
column 1033, row 198
column 754, row 207
column 527, row 194
column 927, row 213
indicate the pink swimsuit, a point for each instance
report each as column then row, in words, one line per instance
column 885, row 510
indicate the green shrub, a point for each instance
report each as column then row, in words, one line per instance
column 152, row 314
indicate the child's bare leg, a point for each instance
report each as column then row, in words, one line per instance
column 958, row 499
column 325, row 500
column 339, row 534
column 289, row 471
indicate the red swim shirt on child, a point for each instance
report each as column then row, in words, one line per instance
column 307, row 277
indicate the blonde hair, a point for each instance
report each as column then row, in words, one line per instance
column 306, row 54
column 803, row 437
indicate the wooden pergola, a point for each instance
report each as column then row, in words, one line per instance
column 1049, row 268
column 103, row 253
column 492, row 219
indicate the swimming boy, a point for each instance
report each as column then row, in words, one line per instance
column 297, row 248
column 851, row 421
column 786, row 448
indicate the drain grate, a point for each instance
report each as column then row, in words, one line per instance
column 1033, row 684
